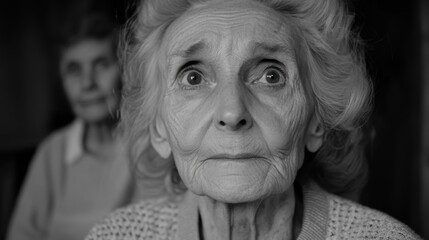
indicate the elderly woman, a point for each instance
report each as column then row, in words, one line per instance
column 256, row 107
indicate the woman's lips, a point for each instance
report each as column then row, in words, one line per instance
column 239, row 156
column 89, row 102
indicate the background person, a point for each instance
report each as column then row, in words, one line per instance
column 79, row 173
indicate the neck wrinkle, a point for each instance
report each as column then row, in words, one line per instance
column 271, row 218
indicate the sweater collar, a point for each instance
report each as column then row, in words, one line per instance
column 74, row 142
column 316, row 213
column 315, row 216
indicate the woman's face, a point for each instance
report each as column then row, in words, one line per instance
column 90, row 74
column 235, row 113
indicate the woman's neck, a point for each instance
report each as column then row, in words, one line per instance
column 271, row 218
column 98, row 137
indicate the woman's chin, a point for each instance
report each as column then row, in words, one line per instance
column 237, row 181
column 233, row 190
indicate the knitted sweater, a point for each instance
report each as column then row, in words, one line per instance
column 326, row 216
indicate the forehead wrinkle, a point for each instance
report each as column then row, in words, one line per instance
column 259, row 50
column 277, row 41
column 192, row 50
column 227, row 16
column 220, row 22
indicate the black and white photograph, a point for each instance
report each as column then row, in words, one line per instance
column 214, row 119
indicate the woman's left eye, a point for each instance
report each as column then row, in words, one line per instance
column 272, row 76
column 193, row 78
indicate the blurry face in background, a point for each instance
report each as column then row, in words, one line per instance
column 90, row 74
column 235, row 112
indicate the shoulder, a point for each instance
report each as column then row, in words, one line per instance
column 147, row 219
column 48, row 152
column 55, row 139
column 352, row 220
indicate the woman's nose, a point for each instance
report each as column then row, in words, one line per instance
column 232, row 113
column 89, row 79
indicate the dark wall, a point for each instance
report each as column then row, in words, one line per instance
column 30, row 96
column 391, row 31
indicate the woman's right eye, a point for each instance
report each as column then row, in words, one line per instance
column 191, row 79
column 72, row 69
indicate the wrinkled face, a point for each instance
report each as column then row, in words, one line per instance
column 90, row 73
column 235, row 113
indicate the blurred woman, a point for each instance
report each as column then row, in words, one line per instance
column 80, row 172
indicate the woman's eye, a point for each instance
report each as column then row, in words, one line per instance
column 102, row 64
column 272, row 76
column 193, row 78
column 73, row 69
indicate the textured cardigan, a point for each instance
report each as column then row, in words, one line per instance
column 326, row 216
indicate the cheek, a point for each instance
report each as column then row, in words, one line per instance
column 71, row 87
column 282, row 122
column 109, row 80
column 284, row 171
column 187, row 122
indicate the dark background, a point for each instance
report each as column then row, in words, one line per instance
column 32, row 104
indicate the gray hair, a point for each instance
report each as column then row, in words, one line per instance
column 330, row 61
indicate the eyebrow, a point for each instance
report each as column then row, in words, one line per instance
column 192, row 50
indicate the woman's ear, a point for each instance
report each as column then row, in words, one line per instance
column 315, row 134
column 158, row 138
